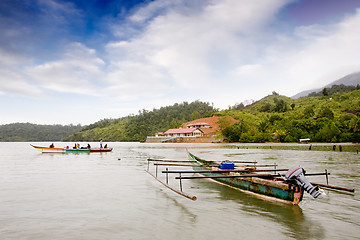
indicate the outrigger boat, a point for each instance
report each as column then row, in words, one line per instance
column 247, row 177
column 70, row 150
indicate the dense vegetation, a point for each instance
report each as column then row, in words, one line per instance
column 137, row 128
column 279, row 118
column 27, row 132
column 273, row 118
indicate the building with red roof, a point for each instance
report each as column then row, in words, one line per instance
column 183, row 132
column 199, row 130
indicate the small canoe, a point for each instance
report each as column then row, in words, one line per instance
column 70, row 150
column 271, row 188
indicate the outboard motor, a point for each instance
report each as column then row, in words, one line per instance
column 297, row 174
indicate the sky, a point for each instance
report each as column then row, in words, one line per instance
column 80, row 61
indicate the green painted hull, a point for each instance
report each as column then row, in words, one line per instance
column 77, row 150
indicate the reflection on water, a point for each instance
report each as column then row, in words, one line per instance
column 291, row 216
column 174, row 198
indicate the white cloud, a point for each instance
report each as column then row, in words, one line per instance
column 134, row 80
column 326, row 57
column 12, row 81
column 153, row 9
column 194, row 49
column 80, row 71
column 316, row 56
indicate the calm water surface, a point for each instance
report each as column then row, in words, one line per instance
column 98, row 196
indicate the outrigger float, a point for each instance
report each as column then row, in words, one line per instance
column 249, row 177
column 70, row 150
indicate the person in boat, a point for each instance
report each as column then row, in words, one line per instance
column 75, row 146
column 105, row 146
column 52, row 145
column 88, row 146
column 100, row 143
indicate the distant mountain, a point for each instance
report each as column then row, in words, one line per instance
column 349, row 80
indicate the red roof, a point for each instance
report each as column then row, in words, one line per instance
column 180, row 130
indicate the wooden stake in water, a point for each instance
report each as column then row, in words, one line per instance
column 327, row 178
column 180, row 182
column 167, row 176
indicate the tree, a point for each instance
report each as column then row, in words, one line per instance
column 224, row 122
column 325, row 92
column 275, row 117
column 280, row 105
column 329, row 133
column 234, row 132
column 308, row 111
column 326, row 112
column 238, row 106
column 275, row 93
column 265, row 108
column 263, row 125
column 195, row 115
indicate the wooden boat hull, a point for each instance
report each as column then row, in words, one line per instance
column 266, row 188
column 101, row 149
column 49, row 150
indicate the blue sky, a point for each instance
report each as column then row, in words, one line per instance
column 65, row 62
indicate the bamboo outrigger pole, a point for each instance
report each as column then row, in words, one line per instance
column 224, row 171
column 226, row 176
column 244, row 175
column 206, row 165
column 173, row 189
column 183, row 165
column 169, row 161
column 333, row 187
column 234, row 161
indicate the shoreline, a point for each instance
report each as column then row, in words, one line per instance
column 295, row 144
column 336, row 147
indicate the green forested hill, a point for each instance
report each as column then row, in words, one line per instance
column 137, row 128
column 273, row 118
column 279, row 118
column 27, row 132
